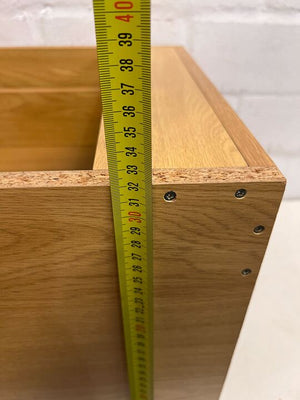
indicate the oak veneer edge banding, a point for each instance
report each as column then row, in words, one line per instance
column 250, row 149
column 100, row 157
column 88, row 178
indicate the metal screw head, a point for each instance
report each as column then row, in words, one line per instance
column 259, row 229
column 170, row 196
column 246, row 272
column 239, row 194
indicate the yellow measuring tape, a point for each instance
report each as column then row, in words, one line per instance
column 124, row 56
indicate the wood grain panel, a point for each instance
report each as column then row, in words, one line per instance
column 35, row 96
column 213, row 137
column 43, row 119
column 60, row 330
column 204, row 242
column 49, row 108
column 46, row 67
column 250, row 149
column 48, row 130
column 186, row 133
column 46, row 158
column 59, row 297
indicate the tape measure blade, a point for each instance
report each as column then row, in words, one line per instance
column 124, row 57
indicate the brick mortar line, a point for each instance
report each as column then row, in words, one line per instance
column 220, row 10
column 261, row 94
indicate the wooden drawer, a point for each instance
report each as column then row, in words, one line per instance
column 60, row 319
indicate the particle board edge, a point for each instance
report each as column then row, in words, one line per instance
column 13, row 180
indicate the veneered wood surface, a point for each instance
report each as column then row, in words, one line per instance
column 60, row 329
column 49, row 108
column 186, row 133
column 48, row 130
column 52, row 97
column 43, row 112
column 250, row 149
column 46, row 158
column 48, row 67
column 51, row 102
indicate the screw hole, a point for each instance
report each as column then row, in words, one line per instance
column 170, row 196
column 246, row 272
column 258, row 230
column 241, row 193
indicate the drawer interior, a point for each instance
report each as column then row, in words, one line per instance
column 50, row 108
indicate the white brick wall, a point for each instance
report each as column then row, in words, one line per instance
column 249, row 48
